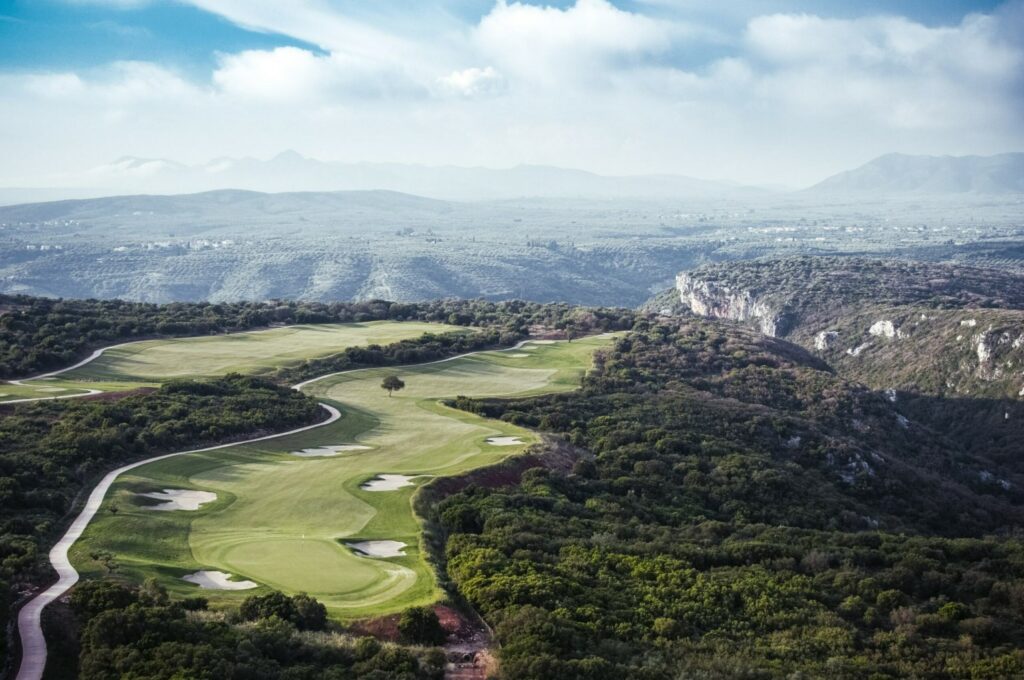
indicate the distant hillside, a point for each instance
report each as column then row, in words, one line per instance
column 928, row 328
column 230, row 210
column 902, row 174
column 290, row 171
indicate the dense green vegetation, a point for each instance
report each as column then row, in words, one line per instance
column 945, row 341
column 746, row 514
column 141, row 634
column 51, row 450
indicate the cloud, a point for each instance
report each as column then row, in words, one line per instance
column 473, row 82
column 548, row 44
column 778, row 97
column 120, row 82
column 894, row 71
column 281, row 73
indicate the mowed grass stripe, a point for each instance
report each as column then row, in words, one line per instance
column 251, row 352
column 282, row 521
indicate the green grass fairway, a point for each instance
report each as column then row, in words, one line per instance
column 253, row 352
column 280, row 520
column 153, row 361
column 40, row 389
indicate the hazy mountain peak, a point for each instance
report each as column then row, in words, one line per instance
column 897, row 173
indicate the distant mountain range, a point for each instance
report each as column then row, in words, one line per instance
column 889, row 175
column 895, row 174
column 290, row 172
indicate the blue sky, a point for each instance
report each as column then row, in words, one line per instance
column 751, row 90
column 54, row 34
column 43, row 34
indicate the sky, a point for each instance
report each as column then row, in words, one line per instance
column 779, row 92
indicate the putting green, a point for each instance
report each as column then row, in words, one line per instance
column 149, row 362
column 283, row 521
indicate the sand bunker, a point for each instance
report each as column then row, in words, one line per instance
column 518, row 355
column 326, row 451
column 387, row 483
column 542, row 342
column 179, row 499
column 504, row 441
column 378, row 548
column 217, row 580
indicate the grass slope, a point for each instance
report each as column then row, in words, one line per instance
column 281, row 520
column 255, row 352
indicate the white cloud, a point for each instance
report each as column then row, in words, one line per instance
column 120, row 82
column 783, row 97
column 281, row 73
column 547, row 44
column 888, row 69
column 473, row 82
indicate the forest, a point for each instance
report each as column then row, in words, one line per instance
column 732, row 522
column 140, row 633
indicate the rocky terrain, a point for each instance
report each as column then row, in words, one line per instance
column 930, row 328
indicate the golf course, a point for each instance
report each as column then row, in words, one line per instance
column 149, row 362
column 326, row 511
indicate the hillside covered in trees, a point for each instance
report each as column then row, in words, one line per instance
column 745, row 513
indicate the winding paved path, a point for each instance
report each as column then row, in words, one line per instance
column 88, row 391
column 33, row 643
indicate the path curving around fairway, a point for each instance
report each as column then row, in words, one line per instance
column 33, row 642
column 88, row 392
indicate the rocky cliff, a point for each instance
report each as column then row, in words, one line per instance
column 903, row 326
column 708, row 298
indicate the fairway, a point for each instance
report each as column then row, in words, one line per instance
column 251, row 353
column 283, row 520
column 149, row 362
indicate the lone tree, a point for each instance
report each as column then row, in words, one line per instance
column 392, row 383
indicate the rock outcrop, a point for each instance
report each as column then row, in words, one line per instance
column 710, row 299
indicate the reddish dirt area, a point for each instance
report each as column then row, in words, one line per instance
column 545, row 333
column 467, row 647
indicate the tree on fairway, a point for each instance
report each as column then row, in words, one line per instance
column 392, row 383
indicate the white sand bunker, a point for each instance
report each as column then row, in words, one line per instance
column 542, row 342
column 518, row 355
column 179, row 499
column 504, row 441
column 378, row 548
column 217, row 580
column 387, row 483
column 326, row 451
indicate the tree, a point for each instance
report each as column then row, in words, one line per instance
column 420, row 625
column 392, row 383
